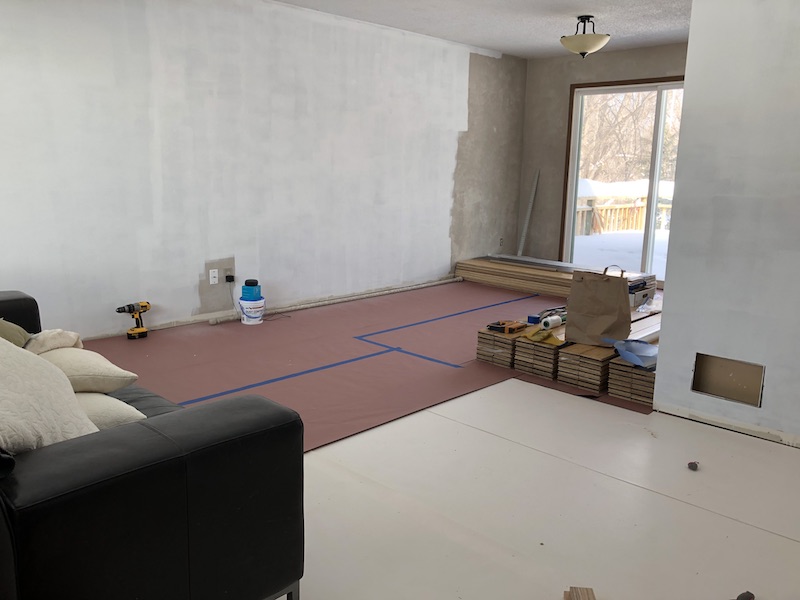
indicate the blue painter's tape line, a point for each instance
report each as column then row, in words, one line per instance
column 362, row 338
column 285, row 377
column 387, row 346
column 430, row 358
column 414, row 354
column 463, row 312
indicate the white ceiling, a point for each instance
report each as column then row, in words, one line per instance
column 525, row 28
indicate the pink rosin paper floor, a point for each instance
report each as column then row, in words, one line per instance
column 332, row 364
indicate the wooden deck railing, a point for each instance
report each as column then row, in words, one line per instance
column 617, row 217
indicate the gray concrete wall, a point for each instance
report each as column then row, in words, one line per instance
column 487, row 175
column 546, row 126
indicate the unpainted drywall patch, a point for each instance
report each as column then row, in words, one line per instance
column 216, row 297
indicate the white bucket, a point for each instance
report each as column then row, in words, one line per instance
column 252, row 310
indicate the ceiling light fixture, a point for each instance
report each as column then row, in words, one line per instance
column 585, row 43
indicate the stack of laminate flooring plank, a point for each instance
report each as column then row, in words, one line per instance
column 538, row 358
column 498, row 348
column 585, row 366
column 631, row 382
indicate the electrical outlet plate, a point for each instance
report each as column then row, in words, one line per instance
column 213, row 276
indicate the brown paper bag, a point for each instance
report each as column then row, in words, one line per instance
column 598, row 308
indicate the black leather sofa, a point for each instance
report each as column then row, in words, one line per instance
column 202, row 503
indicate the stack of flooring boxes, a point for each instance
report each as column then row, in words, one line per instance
column 589, row 367
column 641, row 288
column 630, row 382
column 538, row 358
column 585, row 366
column 498, row 348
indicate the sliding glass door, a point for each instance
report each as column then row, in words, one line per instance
column 621, row 176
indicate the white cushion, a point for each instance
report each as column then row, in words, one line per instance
column 105, row 411
column 37, row 405
column 89, row 371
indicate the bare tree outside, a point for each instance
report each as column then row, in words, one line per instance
column 617, row 136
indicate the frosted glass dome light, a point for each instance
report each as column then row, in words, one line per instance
column 585, row 43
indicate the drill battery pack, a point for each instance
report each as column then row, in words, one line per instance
column 507, row 326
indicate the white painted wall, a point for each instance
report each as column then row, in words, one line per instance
column 734, row 252
column 140, row 138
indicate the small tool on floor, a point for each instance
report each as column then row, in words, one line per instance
column 135, row 310
column 507, row 326
column 694, row 465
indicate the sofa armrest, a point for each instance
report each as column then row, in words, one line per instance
column 245, row 484
column 180, row 505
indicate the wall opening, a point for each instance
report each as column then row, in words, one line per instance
column 728, row 379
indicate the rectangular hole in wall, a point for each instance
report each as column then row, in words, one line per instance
column 729, row 379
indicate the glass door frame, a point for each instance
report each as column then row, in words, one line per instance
column 577, row 92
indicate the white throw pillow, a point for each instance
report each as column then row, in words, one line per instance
column 89, row 371
column 105, row 411
column 37, row 405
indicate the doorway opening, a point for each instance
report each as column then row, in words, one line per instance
column 621, row 176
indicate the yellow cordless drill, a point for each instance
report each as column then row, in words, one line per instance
column 136, row 310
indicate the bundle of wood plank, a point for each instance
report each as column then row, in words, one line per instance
column 578, row 593
column 631, row 382
column 585, row 366
column 537, row 358
column 539, row 276
column 645, row 327
column 528, row 278
column 498, row 348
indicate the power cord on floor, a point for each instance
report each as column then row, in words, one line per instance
column 233, row 300
column 276, row 316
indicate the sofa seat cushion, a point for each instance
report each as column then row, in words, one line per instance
column 145, row 401
column 37, row 404
column 105, row 411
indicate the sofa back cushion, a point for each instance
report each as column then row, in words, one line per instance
column 89, row 371
column 13, row 333
column 37, row 404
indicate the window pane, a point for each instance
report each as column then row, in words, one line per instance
column 616, row 143
column 673, row 104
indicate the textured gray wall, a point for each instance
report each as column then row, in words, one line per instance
column 487, row 175
column 546, row 126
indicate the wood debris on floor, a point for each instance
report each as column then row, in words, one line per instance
column 579, row 593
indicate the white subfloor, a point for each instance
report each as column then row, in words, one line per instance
column 518, row 492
